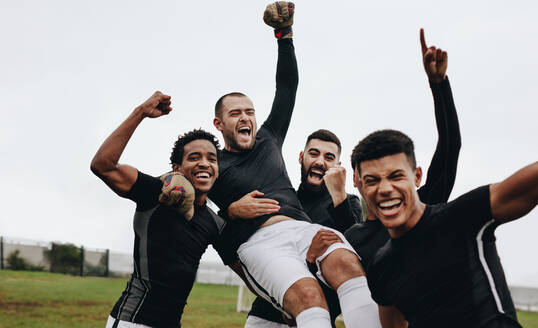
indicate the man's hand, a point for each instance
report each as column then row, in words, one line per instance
column 335, row 181
column 435, row 60
column 279, row 15
column 321, row 241
column 251, row 206
column 157, row 105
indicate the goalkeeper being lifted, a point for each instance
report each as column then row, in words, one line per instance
column 172, row 223
column 274, row 238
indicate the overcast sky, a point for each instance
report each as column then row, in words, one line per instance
column 72, row 71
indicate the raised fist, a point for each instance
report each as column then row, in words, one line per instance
column 178, row 193
column 157, row 105
column 279, row 15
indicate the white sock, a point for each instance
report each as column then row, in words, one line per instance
column 315, row 317
column 358, row 307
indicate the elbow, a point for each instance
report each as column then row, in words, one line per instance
column 98, row 167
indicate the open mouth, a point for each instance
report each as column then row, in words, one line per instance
column 202, row 176
column 244, row 131
column 390, row 207
column 316, row 173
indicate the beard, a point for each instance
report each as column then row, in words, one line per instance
column 304, row 177
column 231, row 140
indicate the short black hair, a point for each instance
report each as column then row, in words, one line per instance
column 179, row 146
column 380, row 144
column 218, row 105
column 325, row 135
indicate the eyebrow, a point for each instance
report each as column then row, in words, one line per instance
column 329, row 153
column 396, row 171
column 313, row 149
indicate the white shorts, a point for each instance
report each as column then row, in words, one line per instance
column 123, row 324
column 255, row 322
column 275, row 257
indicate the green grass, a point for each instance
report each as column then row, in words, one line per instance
column 38, row 299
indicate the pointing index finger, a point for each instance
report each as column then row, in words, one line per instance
column 423, row 41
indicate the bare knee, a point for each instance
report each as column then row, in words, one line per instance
column 304, row 294
column 340, row 266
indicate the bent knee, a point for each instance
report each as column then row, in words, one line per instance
column 341, row 265
column 303, row 294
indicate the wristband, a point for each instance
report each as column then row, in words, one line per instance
column 282, row 32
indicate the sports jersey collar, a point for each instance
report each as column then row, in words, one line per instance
column 412, row 233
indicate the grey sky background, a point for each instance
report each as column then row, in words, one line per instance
column 71, row 71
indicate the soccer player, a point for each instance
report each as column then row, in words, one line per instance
column 322, row 189
column 323, row 198
column 368, row 237
column 272, row 245
column 169, row 240
column 440, row 267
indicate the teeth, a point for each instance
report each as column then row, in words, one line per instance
column 390, row 203
column 245, row 129
column 317, row 172
column 202, row 175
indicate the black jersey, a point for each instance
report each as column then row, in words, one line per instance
column 167, row 251
column 445, row 271
column 318, row 205
column 368, row 237
column 262, row 167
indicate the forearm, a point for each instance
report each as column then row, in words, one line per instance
column 442, row 170
column 343, row 215
column 515, row 196
column 107, row 157
column 287, row 79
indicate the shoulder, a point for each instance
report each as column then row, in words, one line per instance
column 145, row 191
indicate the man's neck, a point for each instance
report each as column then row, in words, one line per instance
column 200, row 199
column 413, row 220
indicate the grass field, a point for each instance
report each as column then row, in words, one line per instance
column 46, row 300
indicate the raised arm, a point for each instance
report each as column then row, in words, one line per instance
column 119, row 177
column 515, row 196
column 442, row 171
column 279, row 15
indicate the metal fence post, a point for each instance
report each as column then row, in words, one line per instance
column 2, row 252
column 107, row 262
column 81, row 261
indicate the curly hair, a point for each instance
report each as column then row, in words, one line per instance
column 380, row 144
column 179, row 146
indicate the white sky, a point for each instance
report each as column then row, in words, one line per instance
column 71, row 71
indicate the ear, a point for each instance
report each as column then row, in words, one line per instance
column 217, row 122
column 177, row 168
column 418, row 176
column 356, row 179
column 301, row 157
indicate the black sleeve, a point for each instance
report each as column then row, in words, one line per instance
column 442, row 171
column 145, row 191
column 472, row 211
column 346, row 213
column 287, row 78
